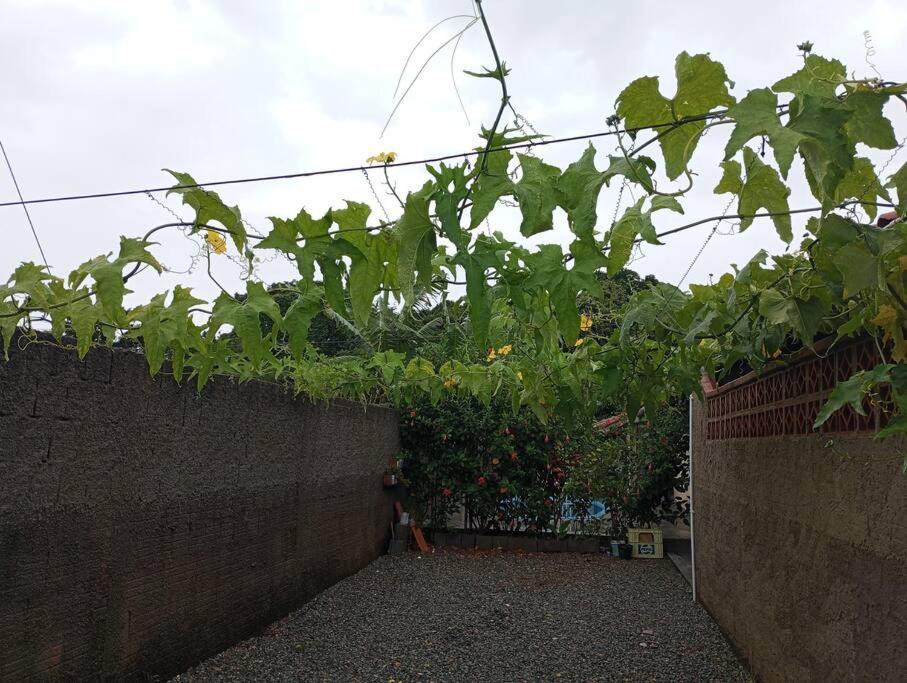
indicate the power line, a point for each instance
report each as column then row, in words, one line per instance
column 24, row 207
column 359, row 169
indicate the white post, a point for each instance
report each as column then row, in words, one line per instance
column 692, row 498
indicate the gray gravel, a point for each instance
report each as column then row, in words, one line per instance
column 468, row 616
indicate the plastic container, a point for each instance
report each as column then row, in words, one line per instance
column 647, row 543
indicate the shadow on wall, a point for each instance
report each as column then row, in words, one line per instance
column 144, row 527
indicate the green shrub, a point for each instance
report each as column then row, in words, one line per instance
column 637, row 471
column 508, row 471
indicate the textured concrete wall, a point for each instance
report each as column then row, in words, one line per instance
column 144, row 527
column 801, row 552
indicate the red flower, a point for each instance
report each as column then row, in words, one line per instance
column 514, row 457
column 482, row 481
column 412, row 413
column 447, row 493
column 547, row 438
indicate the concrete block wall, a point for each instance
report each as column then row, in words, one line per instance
column 801, row 547
column 144, row 526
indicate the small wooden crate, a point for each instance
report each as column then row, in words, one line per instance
column 647, row 543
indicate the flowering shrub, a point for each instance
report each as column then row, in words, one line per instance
column 507, row 471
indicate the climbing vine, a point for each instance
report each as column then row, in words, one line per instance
column 845, row 278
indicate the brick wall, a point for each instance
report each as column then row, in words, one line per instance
column 144, row 527
column 801, row 537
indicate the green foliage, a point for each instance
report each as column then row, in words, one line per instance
column 373, row 315
column 638, row 471
column 507, row 471
column 757, row 115
column 853, row 391
column 702, row 85
column 208, row 207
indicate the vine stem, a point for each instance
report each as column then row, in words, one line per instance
column 505, row 99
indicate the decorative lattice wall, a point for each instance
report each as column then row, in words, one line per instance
column 786, row 401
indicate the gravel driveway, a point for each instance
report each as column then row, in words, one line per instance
column 468, row 616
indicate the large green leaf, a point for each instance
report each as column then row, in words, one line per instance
column 30, row 279
column 489, row 186
column 536, row 194
column 413, row 230
column 282, row 237
column 755, row 115
column 818, row 77
column 825, row 147
column 636, row 169
column 244, row 317
column 762, row 189
column 83, row 316
column 261, row 301
column 622, row 237
column 587, row 255
column 803, row 316
column 366, row 263
column 578, row 189
column 861, row 183
column 210, row 207
column 109, row 285
column 153, row 343
column 852, row 391
column 867, row 123
column 859, row 267
column 702, row 85
column 478, row 296
column 450, row 190
column 298, row 319
column 635, row 223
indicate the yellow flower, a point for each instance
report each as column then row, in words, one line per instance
column 579, row 342
column 491, row 355
column 519, row 376
column 216, row 241
column 504, row 350
column 886, row 316
column 383, row 158
column 451, row 383
column 585, row 323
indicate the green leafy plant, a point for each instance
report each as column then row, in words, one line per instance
column 845, row 278
column 639, row 471
column 508, row 471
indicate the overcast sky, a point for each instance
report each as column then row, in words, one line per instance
column 100, row 95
